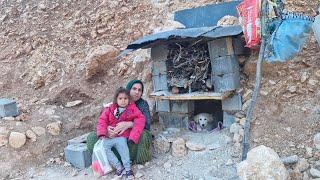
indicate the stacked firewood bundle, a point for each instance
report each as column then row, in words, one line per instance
column 189, row 67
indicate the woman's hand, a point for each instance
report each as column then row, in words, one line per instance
column 122, row 126
column 111, row 132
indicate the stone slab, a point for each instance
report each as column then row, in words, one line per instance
column 8, row 108
column 228, row 120
column 79, row 139
column 78, row 155
column 233, row 103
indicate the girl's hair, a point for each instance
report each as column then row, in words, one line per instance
column 121, row 90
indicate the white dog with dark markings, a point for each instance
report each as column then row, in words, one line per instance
column 204, row 121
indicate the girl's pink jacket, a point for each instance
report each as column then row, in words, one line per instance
column 132, row 113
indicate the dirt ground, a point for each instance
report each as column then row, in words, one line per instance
column 216, row 163
column 285, row 120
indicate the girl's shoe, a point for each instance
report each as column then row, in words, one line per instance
column 129, row 174
column 119, row 172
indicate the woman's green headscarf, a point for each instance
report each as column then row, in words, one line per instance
column 132, row 82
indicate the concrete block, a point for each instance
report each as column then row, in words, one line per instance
column 238, row 46
column 220, row 47
column 226, row 82
column 233, row 103
column 159, row 74
column 159, row 53
column 228, row 120
column 8, row 108
column 224, row 65
column 174, row 120
column 79, row 139
column 182, row 106
column 162, row 105
column 78, row 155
column 159, row 67
column 160, row 83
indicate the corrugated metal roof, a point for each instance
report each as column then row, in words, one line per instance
column 206, row 16
column 179, row 34
column 200, row 22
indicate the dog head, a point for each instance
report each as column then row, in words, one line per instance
column 202, row 119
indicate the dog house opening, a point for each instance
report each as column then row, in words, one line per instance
column 208, row 107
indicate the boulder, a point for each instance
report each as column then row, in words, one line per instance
column 262, row 163
column 17, row 140
column 228, row 21
column 54, row 128
column 195, row 146
column 179, row 147
column 161, row 145
column 290, row 160
column 98, row 58
column 31, row 135
column 315, row 173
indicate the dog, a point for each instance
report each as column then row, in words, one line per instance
column 204, row 121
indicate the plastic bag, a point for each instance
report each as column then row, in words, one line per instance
column 100, row 164
column 249, row 12
column 288, row 36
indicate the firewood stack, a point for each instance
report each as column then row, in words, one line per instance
column 189, row 67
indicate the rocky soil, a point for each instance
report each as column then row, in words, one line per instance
column 202, row 156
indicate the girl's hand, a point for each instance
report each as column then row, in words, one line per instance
column 111, row 132
column 122, row 126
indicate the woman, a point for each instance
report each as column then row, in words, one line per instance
column 141, row 152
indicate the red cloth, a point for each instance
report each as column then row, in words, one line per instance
column 249, row 11
column 131, row 113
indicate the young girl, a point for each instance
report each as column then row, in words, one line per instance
column 121, row 110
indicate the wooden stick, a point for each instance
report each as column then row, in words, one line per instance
column 246, row 139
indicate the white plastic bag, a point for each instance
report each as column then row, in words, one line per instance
column 100, row 164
